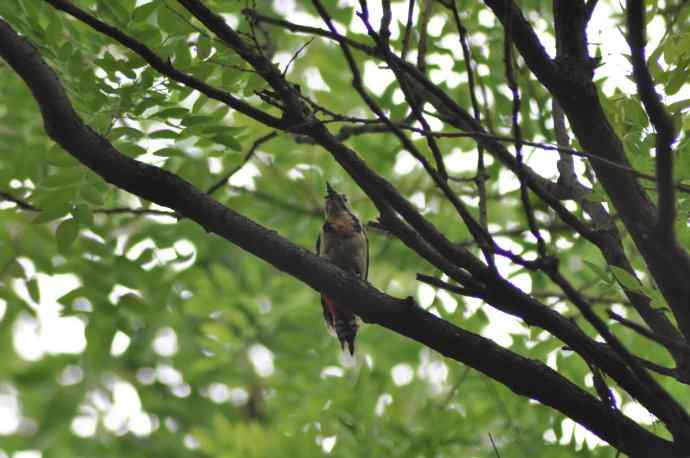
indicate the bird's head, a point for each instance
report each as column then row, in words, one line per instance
column 336, row 204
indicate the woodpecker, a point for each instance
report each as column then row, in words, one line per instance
column 343, row 242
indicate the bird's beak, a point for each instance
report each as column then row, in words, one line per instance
column 329, row 190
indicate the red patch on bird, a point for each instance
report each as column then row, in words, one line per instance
column 331, row 308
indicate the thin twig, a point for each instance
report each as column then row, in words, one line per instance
column 601, row 387
column 135, row 211
column 278, row 202
column 672, row 344
column 593, row 300
column 310, row 30
column 408, row 29
column 481, row 176
column 386, row 17
column 474, row 228
column 517, row 231
column 19, row 202
column 658, row 115
column 547, row 147
column 424, row 18
column 259, row 141
column 296, row 54
column 517, row 133
column 105, row 211
column 493, row 444
column 433, row 281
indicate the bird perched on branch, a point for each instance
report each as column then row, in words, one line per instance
column 343, row 242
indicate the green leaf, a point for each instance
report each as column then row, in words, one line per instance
column 199, row 103
column 167, row 152
column 183, row 58
column 633, row 113
column 144, row 12
column 626, row 280
column 66, row 234
column 676, row 81
column 601, row 273
column 75, row 64
column 203, row 48
column 174, row 112
column 254, row 83
column 83, row 214
column 679, row 106
column 69, row 297
column 92, row 195
column 164, row 133
column 34, row 290
column 51, row 213
column 197, row 120
column 228, row 140
column 130, row 149
column 65, row 177
column 125, row 131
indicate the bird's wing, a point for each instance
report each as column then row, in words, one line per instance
column 327, row 315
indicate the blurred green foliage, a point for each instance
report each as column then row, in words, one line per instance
column 224, row 356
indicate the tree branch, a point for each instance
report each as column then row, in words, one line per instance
column 663, row 124
column 667, row 409
column 408, row 29
column 591, row 5
column 20, row 203
column 135, row 211
column 610, row 242
column 570, row 81
column 481, row 175
column 433, row 281
column 503, row 294
column 517, row 133
column 676, row 345
column 250, row 153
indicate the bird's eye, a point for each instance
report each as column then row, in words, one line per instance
column 344, row 197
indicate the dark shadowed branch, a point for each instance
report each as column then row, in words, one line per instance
column 481, row 176
column 663, row 124
column 638, row 328
column 517, row 133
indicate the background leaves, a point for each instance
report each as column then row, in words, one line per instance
column 191, row 346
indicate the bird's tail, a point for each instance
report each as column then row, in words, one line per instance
column 342, row 321
column 346, row 330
